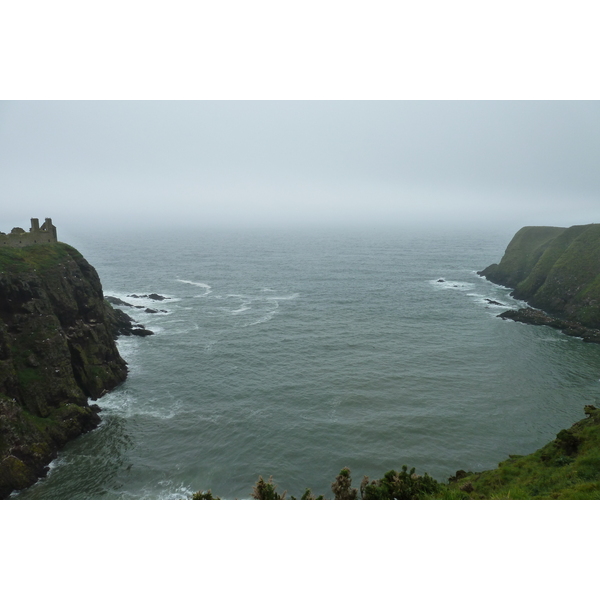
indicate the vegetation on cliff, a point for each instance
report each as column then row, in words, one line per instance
column 57, row 349
column 555, row 269
column 567, row 468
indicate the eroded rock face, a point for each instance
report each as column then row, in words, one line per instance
column 57, row 349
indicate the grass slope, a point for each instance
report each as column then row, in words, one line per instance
column 522, row 254
column 568, row 468
column 554, row 269
column 30, row 258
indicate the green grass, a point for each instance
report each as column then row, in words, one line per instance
column 522, row 254
column 568, row 468
column 43, row 257
column 555, row 269
column 553, row 250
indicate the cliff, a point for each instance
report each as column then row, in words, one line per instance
column 555, row 269
column 57, row 349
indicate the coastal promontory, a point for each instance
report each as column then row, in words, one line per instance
column 57, row 351
column 554, row 269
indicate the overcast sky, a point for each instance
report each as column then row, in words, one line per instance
column 309, row 163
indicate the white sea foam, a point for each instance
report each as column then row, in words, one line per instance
column 245, row 306
column 182, row 330
column 127, row 405
column 447, row 285
column 263, row 319
column 143, row 302
column 207, row 287
column 282, row 297
column 174, row 491
column 128, row 346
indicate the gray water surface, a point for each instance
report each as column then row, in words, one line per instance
column 294, row 354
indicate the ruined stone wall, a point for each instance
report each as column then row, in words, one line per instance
column 18, row 238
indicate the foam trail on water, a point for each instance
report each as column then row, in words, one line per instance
column 264, row 319
column 207, row 287
column 283, row 297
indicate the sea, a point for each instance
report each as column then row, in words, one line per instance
column 294, row 353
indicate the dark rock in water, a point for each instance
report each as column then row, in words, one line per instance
column 441, row 281
column 142, row 332
column 151, row 311
column 151, row 296
column 537, row 317
column 122, row 323
column 496, row 303
column 117, row 301
column 163, row 310
column 138, row 307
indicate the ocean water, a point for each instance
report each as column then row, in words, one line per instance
column 297, row 353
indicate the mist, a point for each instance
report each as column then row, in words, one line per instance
column 272, row 164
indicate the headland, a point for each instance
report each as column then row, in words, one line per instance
column 57, row 351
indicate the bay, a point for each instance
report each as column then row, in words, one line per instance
column 295, row 353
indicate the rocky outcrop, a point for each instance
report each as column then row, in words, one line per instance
column 57, row 350
column 537, row 317
column 555, row 269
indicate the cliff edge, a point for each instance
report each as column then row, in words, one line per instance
column 57, row 350
column 555, row 269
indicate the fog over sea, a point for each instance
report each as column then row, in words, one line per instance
column 297, row 353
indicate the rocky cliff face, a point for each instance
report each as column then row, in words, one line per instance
column 556, row 269
column 57, row 349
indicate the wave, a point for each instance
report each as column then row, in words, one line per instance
column 144, row 303
column 283, row 297
column 264, row 319
column 243, row 308
column 173, row 492
column 127, row 405
column 447, row 284
column 207, row 287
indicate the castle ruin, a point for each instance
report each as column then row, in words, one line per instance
column 17, row 238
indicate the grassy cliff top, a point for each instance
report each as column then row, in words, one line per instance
column 555, row 269
column 522, row 254
column 568, row 468
column 42, row 257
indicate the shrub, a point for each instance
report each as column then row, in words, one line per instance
column 341, row 486
column 204, row 496
column 265, row 490
column 403, row 485
column 567, row 442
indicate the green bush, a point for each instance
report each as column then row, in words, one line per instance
column 265, row 490
column 204, row 496
column 341, row 487
column 403, row 485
